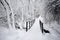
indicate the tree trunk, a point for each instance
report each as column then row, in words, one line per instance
column 13, row 20
column 8, row 12
column 9, row 22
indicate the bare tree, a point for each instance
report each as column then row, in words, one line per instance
column 13, row 21
column 9, row 11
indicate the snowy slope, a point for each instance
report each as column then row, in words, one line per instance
column 33, row 34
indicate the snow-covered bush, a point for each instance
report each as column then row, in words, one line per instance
column 51, row 11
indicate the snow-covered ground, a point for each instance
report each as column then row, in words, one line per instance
column 33, row 34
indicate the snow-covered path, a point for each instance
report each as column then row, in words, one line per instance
column 33, row 34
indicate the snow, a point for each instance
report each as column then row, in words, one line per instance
column 33, row 34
